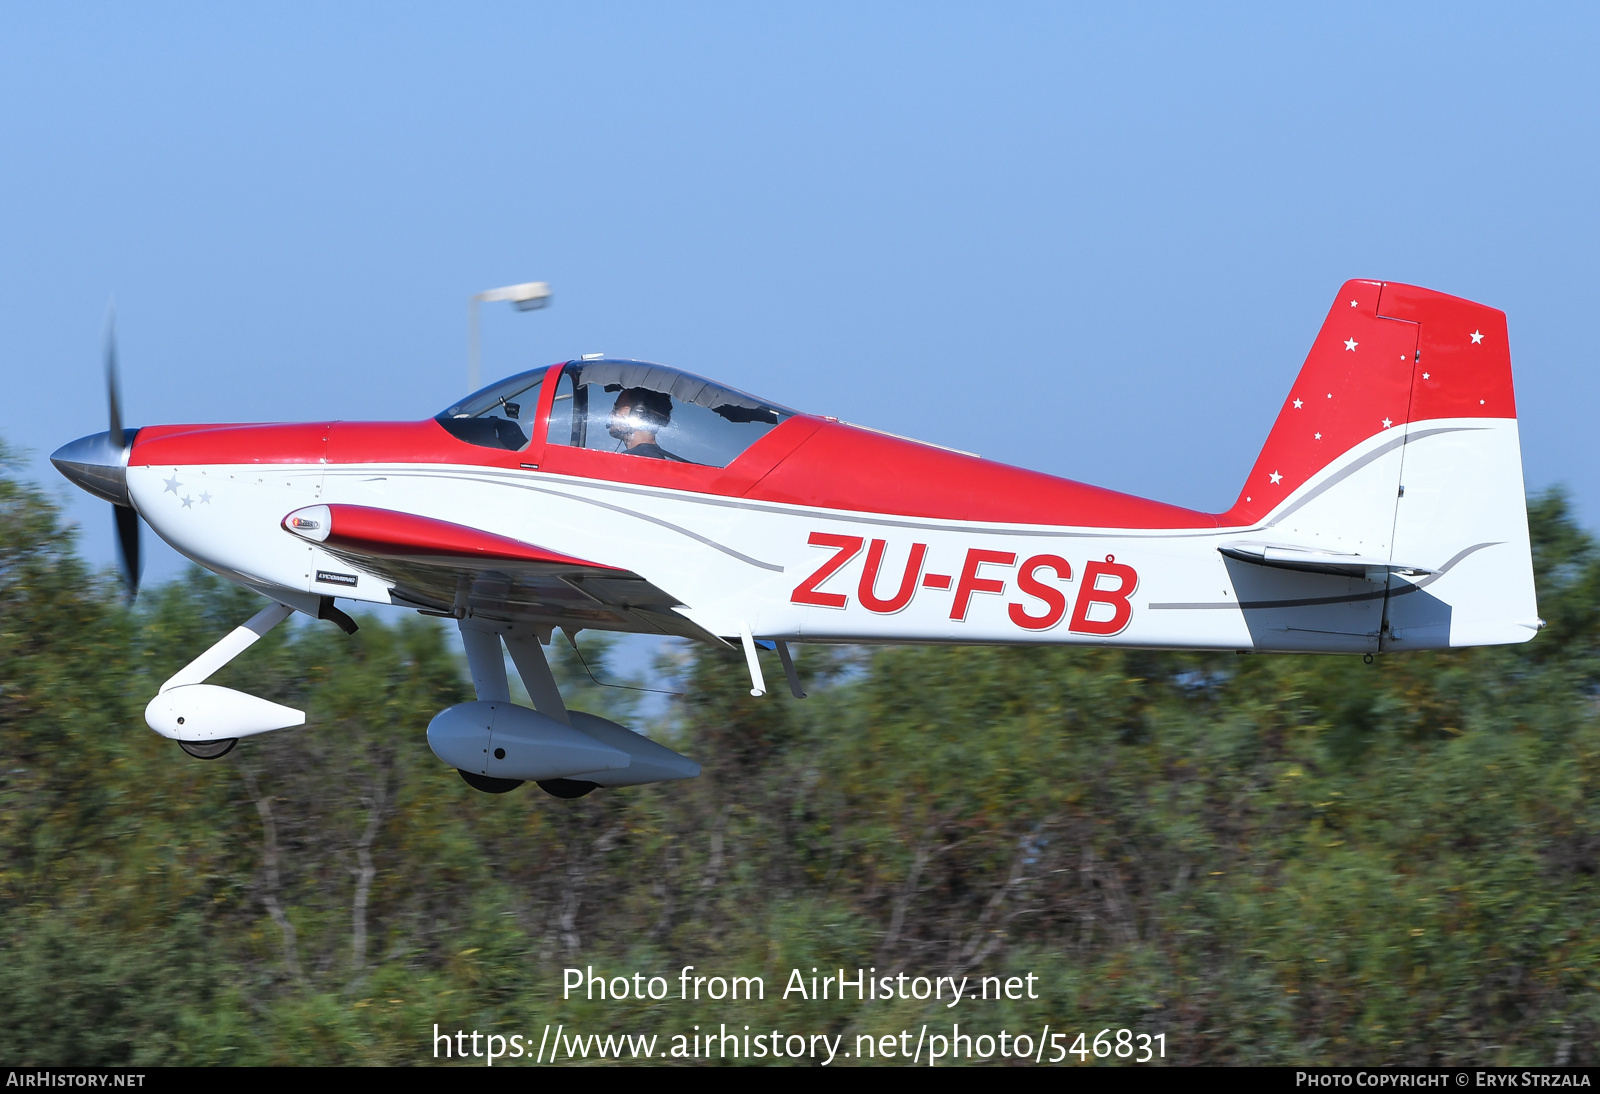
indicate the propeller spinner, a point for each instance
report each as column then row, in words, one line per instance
column 99, row 464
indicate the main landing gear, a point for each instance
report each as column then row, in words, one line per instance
column 482, row 643
column 556, row 788
column 487, row 783
column 566, row 788
column 498, row 745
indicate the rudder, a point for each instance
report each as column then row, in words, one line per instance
column 1464, row 505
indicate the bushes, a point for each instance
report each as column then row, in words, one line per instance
column 1271, row 859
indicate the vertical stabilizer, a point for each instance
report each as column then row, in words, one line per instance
column 1398, row 444
column 1339, row 433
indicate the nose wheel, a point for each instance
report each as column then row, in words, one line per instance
column 209, row 750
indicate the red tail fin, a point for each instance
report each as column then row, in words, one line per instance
column 1387, row 354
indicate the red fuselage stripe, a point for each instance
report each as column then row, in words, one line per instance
column 385, row 532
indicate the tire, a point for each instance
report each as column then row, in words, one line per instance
column 209, row 750
column 488, row 784
column 567, row 788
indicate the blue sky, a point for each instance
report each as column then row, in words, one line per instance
column 1093, row 242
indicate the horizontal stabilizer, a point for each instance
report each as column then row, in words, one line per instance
column 1321, row 562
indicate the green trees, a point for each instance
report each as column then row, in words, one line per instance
column 1271, row 859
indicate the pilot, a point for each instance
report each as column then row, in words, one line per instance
column 637, row 417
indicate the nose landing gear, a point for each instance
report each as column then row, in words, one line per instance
column 209, row 750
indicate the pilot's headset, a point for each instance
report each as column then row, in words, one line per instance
column 652, row 410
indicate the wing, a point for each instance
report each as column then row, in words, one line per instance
column 451, row 569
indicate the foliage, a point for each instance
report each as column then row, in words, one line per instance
column 1271, row 859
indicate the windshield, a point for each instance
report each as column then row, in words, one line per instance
column 498, row 416
column 639, row 409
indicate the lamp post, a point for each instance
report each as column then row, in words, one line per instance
column 526, row 297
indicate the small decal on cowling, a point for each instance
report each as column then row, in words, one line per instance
column 328, row 577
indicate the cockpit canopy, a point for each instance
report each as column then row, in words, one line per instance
column 498, row 416
column 629, row 407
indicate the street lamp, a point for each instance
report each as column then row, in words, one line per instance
column 526, row 297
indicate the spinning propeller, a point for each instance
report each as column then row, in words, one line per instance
column 99, row 464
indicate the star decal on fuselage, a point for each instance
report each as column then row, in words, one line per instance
column 1351, row 344
column 1276, row 478
column 1477, row 337
column 172, row 483
column 1297, row 404
column 188, row 502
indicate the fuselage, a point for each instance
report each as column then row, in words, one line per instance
column 820, row 531
column 1385, row 511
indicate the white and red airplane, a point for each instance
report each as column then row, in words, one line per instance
column 1385, row 513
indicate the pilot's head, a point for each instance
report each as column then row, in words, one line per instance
column 639, row 415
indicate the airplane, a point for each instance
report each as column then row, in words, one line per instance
column 1385, row 513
